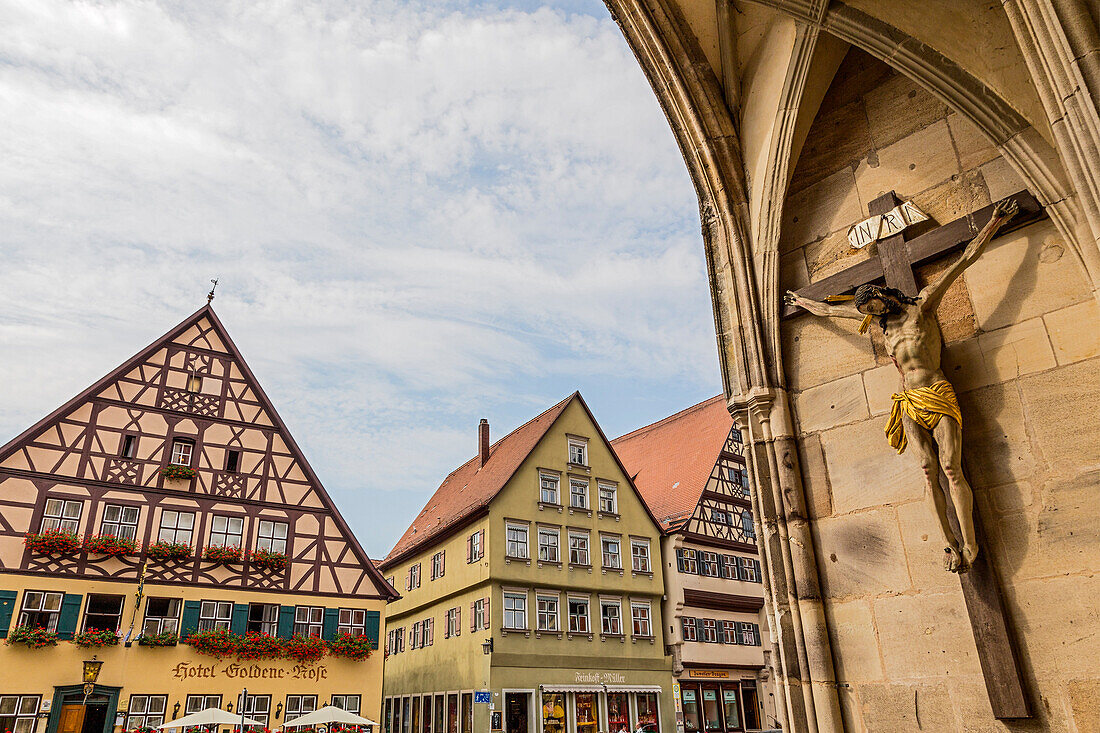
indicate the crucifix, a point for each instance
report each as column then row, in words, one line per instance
column 927, row 411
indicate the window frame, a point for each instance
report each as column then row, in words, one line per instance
column 587, row 537
column 287, row 711
column 352, row 621
column 223, row 536
column 169, row 618
column 544, row 490
column 176, row 456
column 89, row 615
column 553, row 533
column 475, row 546
column 274, row 543
column 176, row 529
column 146, row 718
column 509, row 528
column 617, row 555
column 250, row 710
column 689, row 623
column 579, row 499
column 61, row 520
column 647, row 618
column 541, row 613
column 439, row 564
column 519, row 608
column 602, row 486
column 262, row 625
column 127, row 448
column 54, row 615
column 582, row 444
column 121, row 522
column 639, row 543
column 729, row 632
column 606, row 604
column 215, row 619
column 343, row 703
column 686, row 563
column 21, row 713
column 587, row 602
column 710, row 631
column 412, row 578
column 707, row 561
column 309, row 619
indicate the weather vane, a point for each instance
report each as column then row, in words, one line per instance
column 210, row 295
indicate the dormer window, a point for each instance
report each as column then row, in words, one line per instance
column 181, row 452
column 578, row 451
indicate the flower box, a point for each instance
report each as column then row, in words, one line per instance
column 169, row 550
column 172, row 472
column 258, row 647
column 355, row 648
column 52, row 542
column 110, row 546
column 218, row 643
column 223, row 555
column 268, row 560
column 94, row 638
column 168, row 638
column 33, row 637
column 304, row 649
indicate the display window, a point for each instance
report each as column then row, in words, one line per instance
column 647, row 712
column 730, row 708
column 689, row 700
column 587, row 712
column 553, row 712
column 467, row 712
column 618, row 712
column 452, row 713
column 712, row 717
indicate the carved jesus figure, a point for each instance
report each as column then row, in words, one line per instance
column 926, row 411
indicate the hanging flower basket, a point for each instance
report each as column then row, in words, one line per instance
column 94, row 638
column 173, row 472
column 168, row 638
column 257, row 647
column 33, row 637
column 268, row 559
column 110, row 546
column 355, row 648
column 223, row 555
column 219, row 643
column 52, row 542
column 169, row 550
column 304, row 649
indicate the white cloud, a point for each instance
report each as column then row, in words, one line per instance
column 419, row 213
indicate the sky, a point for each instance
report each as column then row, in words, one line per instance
column 419, row 213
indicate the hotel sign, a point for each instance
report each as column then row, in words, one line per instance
column 187, row 671
column 709, row 674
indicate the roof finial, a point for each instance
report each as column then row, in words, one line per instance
column 210, row 295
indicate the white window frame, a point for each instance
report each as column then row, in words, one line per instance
column 120, row 520
column 183, row 452
column 348, row 703
column 412, row 580
column 438, row 564
column 143, row 711
column 617, row 604
column 637, row 544
column 477, row 546
column 581, row 445
column 62, row 514
column 478, row 621
column 710, row 630
column 549, row 486
column 616, row 557
column 309, row 621
column 646, row 617
column 522, row 550
column 587, row 614
column 543, row 603
column 215, row 615
column 41, row 602
column 518, row 601
column 257, row 707
column 304, row 704
column 222, row 530
column 579, row 499
column 352, row 621
column 173, row 531
column 552, row 536
column 587, row 549
column 729, row 632
column 272, row 536
column 610, row 506
column 693, row 627
column 153, row 624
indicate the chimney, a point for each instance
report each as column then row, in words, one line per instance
column 483, row 440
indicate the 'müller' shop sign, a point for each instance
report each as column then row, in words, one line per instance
column 233, row 670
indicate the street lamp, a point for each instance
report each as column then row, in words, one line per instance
column 91, row 674
column 487, row 646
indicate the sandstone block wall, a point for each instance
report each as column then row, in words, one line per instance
column 1022, row 336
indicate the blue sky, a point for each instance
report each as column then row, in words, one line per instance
column 421, row 214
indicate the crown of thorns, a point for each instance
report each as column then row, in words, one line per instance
column 865, row 293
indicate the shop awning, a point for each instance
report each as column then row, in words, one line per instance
column 571, row 688
column 634, row 688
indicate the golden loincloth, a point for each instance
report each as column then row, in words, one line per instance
column 924, row 406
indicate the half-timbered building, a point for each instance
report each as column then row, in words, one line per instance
column 690, row 468
column 168, row 499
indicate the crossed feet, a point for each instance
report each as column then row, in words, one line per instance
column 954, row 562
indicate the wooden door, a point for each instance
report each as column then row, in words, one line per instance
column 72, row 719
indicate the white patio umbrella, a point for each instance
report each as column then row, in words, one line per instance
column 327, row 714
column 210, row 716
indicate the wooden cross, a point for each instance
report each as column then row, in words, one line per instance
column 894, row 263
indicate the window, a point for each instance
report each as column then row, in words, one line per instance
column 578, row 548
column 176, row 527
column 516, row 539
column 62, row 514
column 17, row 713
column 232, row 460
column 478, row 616
column 640, row 617
column 730, row 567
column 352, row 621
column 413, row 580
column 215, row 615
column 750, row 633
column 40, row 610
column 427, row 632
column 414, row 635
column 710, row 631
column 746, row 524
column 309, row 620
column 263, row 618
column 129, row 446
column 475, row 546
column 120, row 521
column 103, row 612
column 349, row 703
column 639, row 556
column 299, row 705
column 729, row 632
column 515, row 611
column 272, row 536
column 454, row 622
column 608, row 501
column 578, row 493
column 198, row 703
column 612, row 553
column 162, row 616
column 750, row 569
column 611, row 617
column 146, row 711
column 720, row 516
column 686, row 560
column 578, row 451
column 181, row 452
column 226, row 531
column 688, row 627
column 438, row 564
column 257, row 707
column 399, row 639
column 548, row 544
column 547, row 611
column 548, row 488
column 578, row 615
column 709, row 564
column 194, row 383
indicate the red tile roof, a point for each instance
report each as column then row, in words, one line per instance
column 671, row 460
column 472, row 486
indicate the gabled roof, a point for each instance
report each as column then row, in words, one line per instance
column 671, row 460
column 471, row 486
column 226, row 343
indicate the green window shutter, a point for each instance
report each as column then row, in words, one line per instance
column 332, row 618
column 286, row 622
column 70, row 611
column 372, row 628
column 190, row 622
column 239, row 623
column 7, row 608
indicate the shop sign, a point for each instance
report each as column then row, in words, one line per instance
column 709, row 674
column 600, row 678
column 188, row 671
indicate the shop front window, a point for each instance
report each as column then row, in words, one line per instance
column 712, row 719
column 452, row 713
column 647, row 712
column 690, row 700
column 730, row 708
column 553, row 712
column 415, row 725
column 438, row 728
column 618, row 712
column 588, row 716
column 427, row 720
column 405, row 704
column 467, row 712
